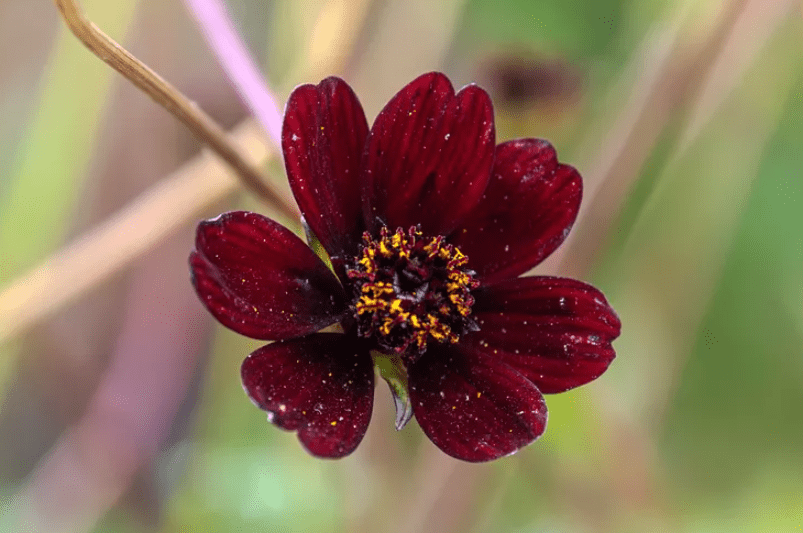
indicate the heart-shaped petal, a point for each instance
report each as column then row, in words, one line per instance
column 473, row 406
column 555, row 331
column 321, row 385
column 323, row 139
column 428, row 156
column 262, row 281
column 526, row 212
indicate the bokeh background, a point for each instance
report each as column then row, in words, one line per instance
column 120, row 403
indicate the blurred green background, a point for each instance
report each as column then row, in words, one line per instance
column 122, row 411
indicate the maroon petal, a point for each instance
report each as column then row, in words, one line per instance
column 321, row 385
column 262, row 281
column 473, row 406
column 323, row 138
column 428, row 156
column 525, row 214
column 555, row 331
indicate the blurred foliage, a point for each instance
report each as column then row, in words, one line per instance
column 44, row 183
column 41, row 184
column 578, row 29
column 744, row 375
column 704, row 263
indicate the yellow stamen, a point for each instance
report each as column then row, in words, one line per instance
column 402, row 315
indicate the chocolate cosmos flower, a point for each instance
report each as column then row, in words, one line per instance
column 427, row 224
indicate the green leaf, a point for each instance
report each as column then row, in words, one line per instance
column 316, row 245
column 391, row 369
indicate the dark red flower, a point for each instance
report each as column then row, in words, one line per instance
column 427, row 224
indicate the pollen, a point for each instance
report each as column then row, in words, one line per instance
column 410, row 290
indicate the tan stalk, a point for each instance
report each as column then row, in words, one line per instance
column 171, row 99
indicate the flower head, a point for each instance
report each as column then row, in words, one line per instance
column 426, row 224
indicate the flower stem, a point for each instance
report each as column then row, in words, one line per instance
column 171, row 99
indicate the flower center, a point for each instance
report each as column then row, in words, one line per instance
column 411, row 289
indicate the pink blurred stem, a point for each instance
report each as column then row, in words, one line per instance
column 134, row 408
column 239, row 65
